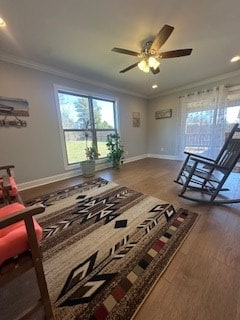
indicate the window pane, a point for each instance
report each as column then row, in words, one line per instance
column 76, row 144
column 74, row 111
column 199, row 126
column 103, row 114
column 101, row 142
column 233, row 114
column 81, row 114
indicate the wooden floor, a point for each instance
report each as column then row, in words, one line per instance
column 202, row 282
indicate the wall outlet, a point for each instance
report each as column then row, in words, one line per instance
column 161, row 149
column 126, row 152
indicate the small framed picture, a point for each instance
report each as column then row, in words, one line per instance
column 162, row 114
column 136, row 121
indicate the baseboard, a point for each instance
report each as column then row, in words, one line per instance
column 143, row 156
column 70, row 174
column 163, row 156
column 47, row 180
column 77, row 172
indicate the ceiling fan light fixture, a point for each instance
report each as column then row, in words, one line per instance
column 235, row 59
column 153, row 63
column 2, row 23
column 143, row 65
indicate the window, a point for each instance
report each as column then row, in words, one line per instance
column 206, row 118
column 85, row 120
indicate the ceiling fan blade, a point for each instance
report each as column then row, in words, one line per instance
column 125, row 51
column 175, row 53
column 161, row 38
column 129, row 68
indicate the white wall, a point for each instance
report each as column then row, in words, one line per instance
column 36, row 150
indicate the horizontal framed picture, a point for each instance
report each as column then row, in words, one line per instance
column 14, row 107
column 162, row 114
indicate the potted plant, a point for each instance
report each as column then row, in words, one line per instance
column 91, row 152
column 115, row 155
column 88, row 166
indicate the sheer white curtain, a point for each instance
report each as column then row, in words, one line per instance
column 204, row 122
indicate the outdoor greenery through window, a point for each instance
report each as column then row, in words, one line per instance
column 86, row 121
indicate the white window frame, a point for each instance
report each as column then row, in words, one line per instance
column 94, row 95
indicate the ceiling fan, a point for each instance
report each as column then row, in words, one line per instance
column 150, row 55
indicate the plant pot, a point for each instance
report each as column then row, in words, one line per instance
column 88, row 168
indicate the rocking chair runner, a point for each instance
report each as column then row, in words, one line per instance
column 203, row 178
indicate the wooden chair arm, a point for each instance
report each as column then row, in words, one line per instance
column 21, row 215
column 8, row 169
column 207, row 163
column 196, row 156
column 26, row 215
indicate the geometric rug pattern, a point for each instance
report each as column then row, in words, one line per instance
column 104, row 246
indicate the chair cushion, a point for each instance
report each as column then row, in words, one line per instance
column 13, row 239
column 13, row 191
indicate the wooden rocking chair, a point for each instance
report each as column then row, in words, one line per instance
column 203, row 178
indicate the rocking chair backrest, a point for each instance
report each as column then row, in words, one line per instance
column 230, row 153
column 229, row 137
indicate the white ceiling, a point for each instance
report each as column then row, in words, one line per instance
column 77, row 36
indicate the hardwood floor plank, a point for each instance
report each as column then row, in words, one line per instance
column 174, row 266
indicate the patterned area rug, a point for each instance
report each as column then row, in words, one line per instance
column 105, row 246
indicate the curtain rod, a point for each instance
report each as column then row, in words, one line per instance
column 230, row 88
column 198, row 92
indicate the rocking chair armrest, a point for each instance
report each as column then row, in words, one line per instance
column 21, row 215
column 198, row 156
column 213, row 165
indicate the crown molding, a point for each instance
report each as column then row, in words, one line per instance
column 71, row 76
column 68, row 75
column 199, row 83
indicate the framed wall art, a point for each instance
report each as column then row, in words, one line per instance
column 162, row 114
column 136, row 120
column 11, row 110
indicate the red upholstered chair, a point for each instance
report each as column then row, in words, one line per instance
column 8, row 187
column 13, row 239
column 19, row 241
